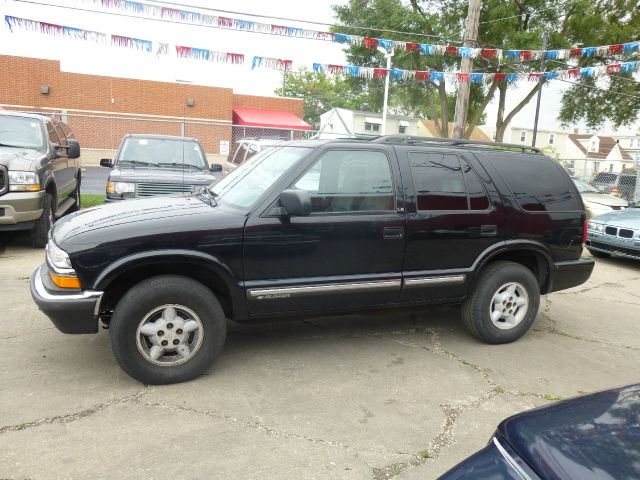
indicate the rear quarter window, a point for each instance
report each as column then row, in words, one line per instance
column 537, row 182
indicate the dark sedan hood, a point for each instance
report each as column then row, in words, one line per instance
column 162, row 175
column 592, row 437
column 603, row 199
column 18, row 158
column 126, row 219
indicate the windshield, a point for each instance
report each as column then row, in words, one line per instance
column 162, row 152
column 21, row 132
column 243, row 186
column 584, row 187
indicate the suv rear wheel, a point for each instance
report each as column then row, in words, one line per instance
column 504, row 303
column 167, row 329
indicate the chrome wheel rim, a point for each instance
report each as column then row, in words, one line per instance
column 509, row 306
column 169, row 335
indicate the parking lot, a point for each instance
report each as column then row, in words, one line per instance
column 407, row 394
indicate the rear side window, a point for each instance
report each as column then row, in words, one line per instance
column 605, row 178
column 446, row 182
column 538, row 183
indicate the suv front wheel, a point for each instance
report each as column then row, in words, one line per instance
column 167, row 329
column 503, row 304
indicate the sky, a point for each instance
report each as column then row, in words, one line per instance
column 83, row 57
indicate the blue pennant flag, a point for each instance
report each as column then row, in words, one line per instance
column 341, row 38
column 396, row 73
column 511, row 77
column 351, row 70
column 386, row 44
column 477, row 77
column 513, row 55
column 586, row 72
column 437, row 76
column 552, row 54
column 427, row 48
column 201, row 54
column 318, row 67
column 630, row 47
column 465, row 52
column 257, row 61
column 551, row 75
column 244, row 25
column 628, row 67
column 589, row 52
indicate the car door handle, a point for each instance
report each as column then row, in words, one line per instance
column 393, row 233
column 488, row 230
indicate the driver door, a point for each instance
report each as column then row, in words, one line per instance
column 346, row 254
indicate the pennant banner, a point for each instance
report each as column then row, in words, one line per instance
column 15, row 23
column 476, row 77
column 272, row 63
column 194, row 17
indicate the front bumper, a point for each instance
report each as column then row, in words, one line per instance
column 75, row 312
column 625, row 247
column 20, row 207
column 570, row 274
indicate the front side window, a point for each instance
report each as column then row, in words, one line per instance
column 446, row 182
column 162, row 152
column 53, row 136
column 246, row 184
column 349, row 181
column 21, row 132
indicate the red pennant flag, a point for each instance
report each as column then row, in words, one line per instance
column 183, row 51
column 573, row 72
column 335, row 68
column 613, row 68
column 51, row 28
column 379, row 72
column 534, row 77
column 370, row 42
column 526, row 54
column 462, row 77
column 498, row 77
column 412, row 47
column 488, row 53
column 423, row 75
column 225, row 22
column 575, row 52
column 615, row 49
column 451, row 50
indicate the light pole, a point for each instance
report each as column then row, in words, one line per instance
column 387, row 54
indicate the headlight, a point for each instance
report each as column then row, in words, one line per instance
column 23, row 181
column 120, row 188
column 598, row 227
column 57, row 257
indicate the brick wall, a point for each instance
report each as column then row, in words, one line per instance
column 80, row 94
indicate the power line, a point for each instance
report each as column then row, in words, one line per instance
column 595, row 87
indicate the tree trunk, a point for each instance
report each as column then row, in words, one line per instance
column 444, row 110
column 502, row 88
column 470, row 40
column 478, row 113
column 505, row 123
column 432, row 107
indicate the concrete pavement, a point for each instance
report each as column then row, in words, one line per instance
column 354, row 397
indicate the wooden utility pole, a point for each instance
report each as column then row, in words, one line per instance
column 470, row 40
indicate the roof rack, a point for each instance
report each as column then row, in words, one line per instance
column 413, row 140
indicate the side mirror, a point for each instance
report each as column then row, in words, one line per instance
column 73, row 150
column 215, row 167
column 106, row 162
column 296, row 202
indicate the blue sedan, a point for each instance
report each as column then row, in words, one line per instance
column 594, row 437
column 616, row 232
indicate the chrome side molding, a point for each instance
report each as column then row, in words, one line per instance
column 288, row 292
column 434, row 281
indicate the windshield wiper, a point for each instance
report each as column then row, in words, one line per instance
column 12, row 146
column 204, row 195
column 138, row 162
column 179, row 164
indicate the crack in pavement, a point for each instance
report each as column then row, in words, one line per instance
column 256, row 425
column 71, row 417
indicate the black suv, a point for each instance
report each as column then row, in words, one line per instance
column 318, row 227
column 39, row 173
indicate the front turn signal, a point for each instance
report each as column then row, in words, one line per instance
column 65, row 282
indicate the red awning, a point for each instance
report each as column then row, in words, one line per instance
column 257, row 117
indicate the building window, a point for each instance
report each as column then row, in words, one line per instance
column 552, row 139
column 611, row 167
column 523, row 136
column 596, row 166
column 592, row 146
column 402, row 129
column 372, row 127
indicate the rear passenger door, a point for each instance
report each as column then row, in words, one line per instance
column 453, row 215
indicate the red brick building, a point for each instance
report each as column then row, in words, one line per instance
column 101, row 110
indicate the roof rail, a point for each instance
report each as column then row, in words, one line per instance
column 413, row 140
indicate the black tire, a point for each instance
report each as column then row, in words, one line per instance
column 598, row 254
column 40, row 231
column 149, row 295
column 76, row 195
column 477, row 307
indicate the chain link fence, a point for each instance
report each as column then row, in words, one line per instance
column 610, row 177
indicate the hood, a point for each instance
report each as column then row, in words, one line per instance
column 591, row 437
column 152, row 215
column 602, row 199
column 19, row 158
column 161, row 175
column 629, row 217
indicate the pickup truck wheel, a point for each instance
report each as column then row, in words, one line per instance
column 167, row 329
column 40, row 231
column 598, row 254
column 504, row 303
